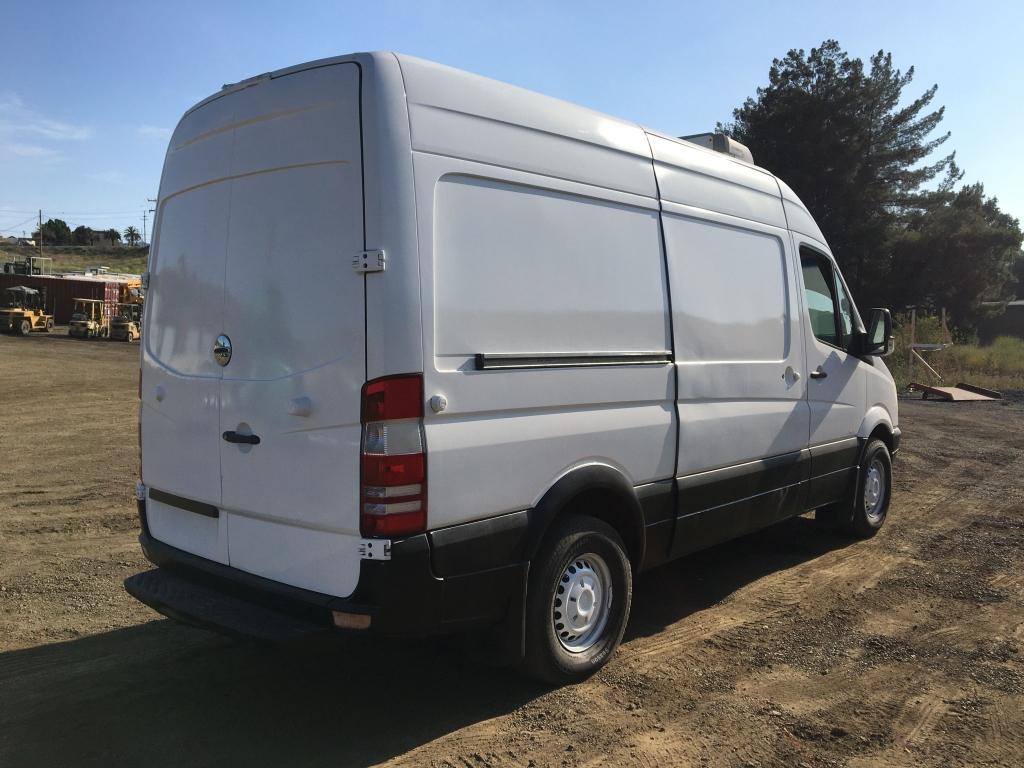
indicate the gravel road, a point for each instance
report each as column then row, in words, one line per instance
column 791, row 647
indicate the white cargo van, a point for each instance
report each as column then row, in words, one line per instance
column 427, row 352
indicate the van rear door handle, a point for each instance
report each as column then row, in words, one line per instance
column 233, row 437
column 819, row 374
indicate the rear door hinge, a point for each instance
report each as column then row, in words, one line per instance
column 369, row 261
column 374, row 549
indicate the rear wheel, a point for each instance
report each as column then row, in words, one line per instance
column 578, row 599
column 49, row 325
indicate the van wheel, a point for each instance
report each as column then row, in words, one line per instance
column 578, row 599
column 865, row 513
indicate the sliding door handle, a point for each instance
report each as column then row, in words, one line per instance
column 233, row 437
column 819, row 374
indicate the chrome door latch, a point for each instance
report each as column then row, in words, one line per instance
column 369, row 261
column 374, row 549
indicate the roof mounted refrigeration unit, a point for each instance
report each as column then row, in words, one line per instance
column 721, row 143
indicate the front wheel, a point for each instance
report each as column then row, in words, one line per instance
column 24, row 327
column 578, row 599
column 865, row 513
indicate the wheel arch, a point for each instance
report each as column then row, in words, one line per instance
column 598, row 490
column 877, row 423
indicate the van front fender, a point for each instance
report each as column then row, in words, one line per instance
column 876, row 415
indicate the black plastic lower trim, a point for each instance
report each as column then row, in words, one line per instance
column 193, row 602
column 706, row 528
column 403, row 595
column 207, row 510
column 479, row 545
column 720, row 487
column 657, row 500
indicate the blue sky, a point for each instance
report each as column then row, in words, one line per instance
column 89, row 92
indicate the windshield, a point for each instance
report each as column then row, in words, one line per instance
column 11, row 299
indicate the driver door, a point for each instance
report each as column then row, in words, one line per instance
column 836, row 389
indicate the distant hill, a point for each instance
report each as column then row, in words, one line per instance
column 75, row 258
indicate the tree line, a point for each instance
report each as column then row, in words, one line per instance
column 867, row 163
column 57, row 232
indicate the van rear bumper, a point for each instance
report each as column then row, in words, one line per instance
column 401, row 596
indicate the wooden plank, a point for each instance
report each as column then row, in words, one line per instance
column 924, row 362
column 949, row 394
column 981, row 391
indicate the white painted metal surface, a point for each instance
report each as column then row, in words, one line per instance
column 738, row 343
column 527, row 264
column 837, row 401
column 262, row 254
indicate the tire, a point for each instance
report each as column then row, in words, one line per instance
column 863, row 515
column 584, row 557
column 23, row 327
column 49, row 326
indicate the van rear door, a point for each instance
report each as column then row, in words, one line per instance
column 294, row 312
column 180, row 386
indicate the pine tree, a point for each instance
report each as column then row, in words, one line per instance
column 839, row 137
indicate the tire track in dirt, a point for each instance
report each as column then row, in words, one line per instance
column 791, row 646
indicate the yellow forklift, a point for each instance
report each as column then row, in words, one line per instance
column 89, row 320
column 127, row 322
column 23, row 310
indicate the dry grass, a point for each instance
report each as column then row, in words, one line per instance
column 76, row 258
column 999, row 365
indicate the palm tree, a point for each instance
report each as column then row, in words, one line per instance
column 131, row 234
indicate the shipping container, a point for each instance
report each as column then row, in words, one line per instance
column 61, row 292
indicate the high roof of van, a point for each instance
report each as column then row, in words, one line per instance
column 435, row 89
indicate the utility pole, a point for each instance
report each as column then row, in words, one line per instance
column 152, row 210
column 40, row 242
column 143, row 225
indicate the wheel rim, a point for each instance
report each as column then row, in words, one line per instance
column 580, row 607
column 874, row 491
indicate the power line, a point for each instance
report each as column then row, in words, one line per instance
column 52, row 212
column 14, row 227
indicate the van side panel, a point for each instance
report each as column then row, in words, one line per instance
column 743, row 417
column 462, row 115
column 394, row 335
column 692, row 176
column 533, row 266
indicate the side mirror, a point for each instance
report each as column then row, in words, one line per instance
column 878, row 341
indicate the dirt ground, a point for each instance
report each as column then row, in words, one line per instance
column 792, row 647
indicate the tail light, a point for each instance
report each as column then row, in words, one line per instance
column 393, row 473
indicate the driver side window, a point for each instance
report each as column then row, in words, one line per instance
column 822, row 304
column 845, row 309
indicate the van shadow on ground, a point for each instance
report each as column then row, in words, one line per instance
column 162, row 694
